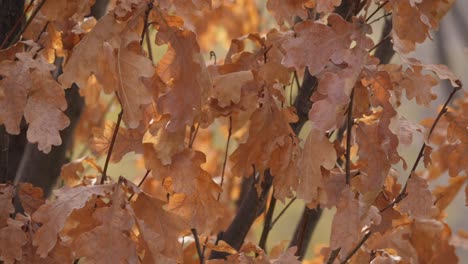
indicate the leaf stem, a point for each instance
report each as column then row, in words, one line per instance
column 348, row 138
column 28, row 22
column 111, row 147
column 282, row 212
column 17, row 23
column 139, row 184
column 267, row 222
column 197, row 244
column 403, row 193
column 225, row 156
column 377, row 10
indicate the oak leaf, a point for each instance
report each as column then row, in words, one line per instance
column 53, row 215
column 127, row 140
column 6, row 204
column 12, row 239
column 318, row 152
column 156, row 222
column 116, row 226
column 419, row 201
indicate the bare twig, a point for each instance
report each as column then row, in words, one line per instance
column 198, row 245
column 380, row 43
column 382, row 16
column 282, row 212
column 111, row 146
column 377, row 10
column 348, row 138
column 28, row 22
column 267, row 222
column 403, row 192
column 333, row 255
column 5, row 42
column 141, row 183
column 226, row 153
column 357, row 247
column 193, row 134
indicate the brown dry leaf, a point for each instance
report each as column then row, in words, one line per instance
column 221, row 246
column 53, row 215
column 131, row 67
column 227, row 88
column 89, row 56
column 345, row 230
column 112, row 237
column 327, row 6
column 286, row 10
column 12, row 239
column 161, row 144
column 128, row 140
column 6, row 203
column 412, row 21
column 44, row 111
column 323, row 42
column 184, row 69
column 201, row 209
column 69, row 173
column 318, row 152
column 268, row 131
column 29, row 88
column 287, row 257
column 65, row 11
column 430, row 238
column 444, row 195
column 419, row 86
column 31, row 197
column 419, row 201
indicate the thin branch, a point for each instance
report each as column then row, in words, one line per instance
column 382, row 16
column 139, row 184
column 442, row 111
column 17, row 23
column 145, row 21
column 148, row 45
column 193, row 135
column 377, row 10
column 225, row 156
column 197, row 244
column 28, row 22
column 282, row 212
column 111, row 147
column 348, row 138
column 403, row 192
column 333, row 255
column 267, row 222
column 378, row 44
column 357, row 247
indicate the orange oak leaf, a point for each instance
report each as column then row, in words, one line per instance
column 285, row 10
column 159, row 228
column 128, row 140
column 31, row 197
column 327, row 6
column 444, row 195
column 201, row 209
column 419, row 201
column 53, row 215
column 318, row 152
column 323, row 42
column 268, row 131
column 160, row 144
column 6, row 203
column 12, row 239
column 30, row 89
column 116, row 227
column 184, row 69
column 350, row 218
column 430, row 239
column 227, row 88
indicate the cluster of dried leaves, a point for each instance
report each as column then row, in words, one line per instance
column 172, row 107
